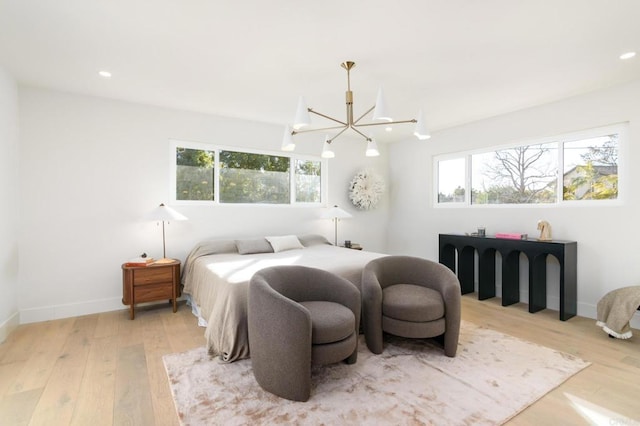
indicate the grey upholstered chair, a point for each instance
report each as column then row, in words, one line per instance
column 300, row 316
column 410, row 297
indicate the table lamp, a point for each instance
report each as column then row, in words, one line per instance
column 164, row 214
column 335, row 213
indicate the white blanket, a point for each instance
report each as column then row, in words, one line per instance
column 219, row 284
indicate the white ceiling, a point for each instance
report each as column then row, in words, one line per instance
column 459, row 60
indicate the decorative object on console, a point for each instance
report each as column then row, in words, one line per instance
column 366, row 189
column 335, row 213
column 380, row 117
column 545, row 230
column 511, row 236
column 164, row 214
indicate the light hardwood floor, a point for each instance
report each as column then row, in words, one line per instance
column 105, row 369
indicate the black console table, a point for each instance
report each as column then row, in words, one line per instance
column 535, row 250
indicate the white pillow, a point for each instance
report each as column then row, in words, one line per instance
column 285, row 242
column 256, row 245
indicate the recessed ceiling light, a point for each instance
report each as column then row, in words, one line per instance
column 105, row 74
column 628, row 55
column 388, row 129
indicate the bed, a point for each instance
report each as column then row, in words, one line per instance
column 216, row 277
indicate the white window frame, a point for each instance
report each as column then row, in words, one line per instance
column 175, row 143
column 620, row 128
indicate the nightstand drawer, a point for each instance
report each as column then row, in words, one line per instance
column 152, row 274
column 151, row 292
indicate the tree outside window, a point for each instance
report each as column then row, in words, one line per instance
column 591, row 169
column 254, row 178
column 584, row 165
column 521, row 175
column 308, row 181
column 194, row 174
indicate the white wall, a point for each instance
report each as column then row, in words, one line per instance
column 92, row 168
column 9, row 203
column 606, row 236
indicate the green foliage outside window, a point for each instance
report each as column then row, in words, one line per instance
column 595, row 176
column 194, row 174
column 254, row 178
column 245, row 177
column 308, row 181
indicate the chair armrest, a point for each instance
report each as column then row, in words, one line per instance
column 279, row 340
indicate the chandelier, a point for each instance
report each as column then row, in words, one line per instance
column 380, row 118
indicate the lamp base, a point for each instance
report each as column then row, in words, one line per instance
column 165, row 260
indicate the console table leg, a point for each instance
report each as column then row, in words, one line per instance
column 538, row 283
column 487, row 274
column 466, row 263
column 568, row 284
column 511, row 278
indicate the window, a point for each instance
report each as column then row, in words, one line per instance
column 202, row 173
column 569, row 168
column 591, row 168
column 308, row 182
column 521, row 175
column 451, row 175
column 194, row 174
column 254, row 178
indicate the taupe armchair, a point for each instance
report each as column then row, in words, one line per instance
column 300, row 316
column 410, row 297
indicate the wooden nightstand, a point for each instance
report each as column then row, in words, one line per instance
column 150, row 283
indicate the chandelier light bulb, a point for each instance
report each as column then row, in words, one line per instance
column 372, row 148
column 380, row 112
column 421, row 131
column 287, row 140
column 302, row 115
column 327, row 151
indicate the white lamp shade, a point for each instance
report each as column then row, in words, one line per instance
column 335, row 212
column 165, row 213
column 421, row 131
column 372, row 148
column 287, row 140
column 302, row 115
column 380, row 112
column 327, row 151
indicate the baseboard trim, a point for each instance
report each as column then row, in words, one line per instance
column 46, row 313
column 9, row 325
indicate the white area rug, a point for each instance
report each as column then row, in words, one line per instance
column 492, row 378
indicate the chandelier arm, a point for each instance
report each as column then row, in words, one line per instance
column 364, row 115
column 327, row 117
column 295, row 132
column 360, row 133
column 339, row 133
column 386, row 123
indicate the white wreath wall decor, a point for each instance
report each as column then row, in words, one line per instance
column 365, row 189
